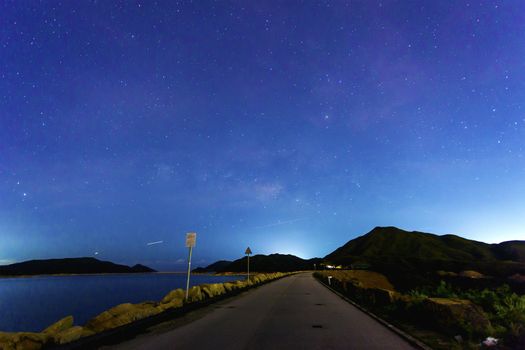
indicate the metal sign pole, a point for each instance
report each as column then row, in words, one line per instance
column 248, row 252
column 191, row 237
column 189, row 272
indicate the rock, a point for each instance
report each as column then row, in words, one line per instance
column 6, row 341
column 23, row 341
column 63, row 331
column 471, row 274
column 71, row 334
column 63, row 324
column 195, row 294
column 219, row 287
column 213, row 290
column 240, row 284
column 174, row 294
column 173, row 304
column 172, row 300
column 446, row 273
column 381, row 296
column 228, row 286
column 121, row 315
column 456, row 314
column 206, row 290
column 490, row 342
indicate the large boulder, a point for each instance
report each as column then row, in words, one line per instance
column 172, row 304
column 195, row 294
column 23, row 341
column 121, row 315
column 59, row 326
column 383, row 297
column 456, row 315
column 471, row 274
column 72, row 334
column 228, row 286
column 63, row 331
column 248, row 283
column 174, row 294
column 6, row 341
column 240, row 284
column 213, row 290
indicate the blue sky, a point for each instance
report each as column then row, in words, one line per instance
column 290, row 127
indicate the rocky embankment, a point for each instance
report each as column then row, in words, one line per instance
column 64, row 331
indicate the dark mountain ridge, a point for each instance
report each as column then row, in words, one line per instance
column 69, row 266
column 264, row 263
column 410, row 258
column 394, row 242
column 215, row 267
column 510, row 250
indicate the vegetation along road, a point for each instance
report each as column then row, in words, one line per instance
column 295, row 312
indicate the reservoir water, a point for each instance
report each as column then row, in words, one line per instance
column 33, row 303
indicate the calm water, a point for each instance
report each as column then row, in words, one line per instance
column 33, row 303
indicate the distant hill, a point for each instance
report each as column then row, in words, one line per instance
column 215, row 267
column 270, row 263
column 394, row 242
column 511, row 250
column 404, row 255
column 68, row 266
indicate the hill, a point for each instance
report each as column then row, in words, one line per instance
column 511, row 250
column 69, row 266
column 394, row 242
column 268, row 263
column 273, row 263
column 410, row 257
column 215, row 267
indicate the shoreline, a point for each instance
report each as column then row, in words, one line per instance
column 130, row 318
column 220, row 274
column 98, row 274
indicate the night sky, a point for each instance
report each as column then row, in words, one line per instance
column 286, row 126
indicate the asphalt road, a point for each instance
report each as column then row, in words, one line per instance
column 296, row 312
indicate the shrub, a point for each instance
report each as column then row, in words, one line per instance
column 511, row 311
column 445, row 290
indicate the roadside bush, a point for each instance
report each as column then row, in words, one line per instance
column 505, row 309
column 511, row 311
column 445, row 290
column 417, row 295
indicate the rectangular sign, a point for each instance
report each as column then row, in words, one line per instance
column 191, row 237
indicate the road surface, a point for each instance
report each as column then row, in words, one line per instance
column 295, row 312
